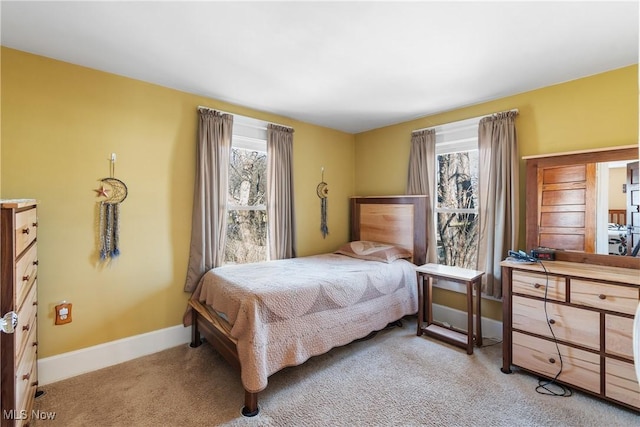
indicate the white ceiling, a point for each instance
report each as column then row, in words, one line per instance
column 351, row 66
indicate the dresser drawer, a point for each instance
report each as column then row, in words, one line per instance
column 569, row 324
column 579, row 368
column 618, row 335
column 536, row 284
column 26, row 320
column 26, row 229
column 26, row 271
column 621, row 383
column 26, row 375
column 623, row 299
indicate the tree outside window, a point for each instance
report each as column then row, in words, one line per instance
column 247, row 215
column 457, row 208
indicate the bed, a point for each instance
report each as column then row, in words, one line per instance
column 617, row 235
column 617, row 231
column 263, row 317
column 618, row 216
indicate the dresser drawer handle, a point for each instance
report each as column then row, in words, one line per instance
column 537, row 286
column 26, row 376
column 552, row 322
column 552, row 360
column 602, row 296
column 25, row 231
column 34, row 344
column 35, row 224
column 35, row 303
column 25, row 328
column 34, row 384
column 25, row 278
column 35, row 262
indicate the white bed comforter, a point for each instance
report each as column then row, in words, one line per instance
column 283, row 312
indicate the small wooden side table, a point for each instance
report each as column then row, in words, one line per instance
column 426, row 324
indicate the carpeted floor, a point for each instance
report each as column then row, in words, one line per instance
column 393, row 379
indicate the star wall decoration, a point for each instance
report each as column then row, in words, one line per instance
column 102, row 191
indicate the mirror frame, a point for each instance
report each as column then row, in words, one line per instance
column 629, row 152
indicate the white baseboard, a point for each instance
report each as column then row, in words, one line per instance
column 491, row 329
column 67, row 365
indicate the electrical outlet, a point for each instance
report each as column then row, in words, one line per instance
column 63, row 313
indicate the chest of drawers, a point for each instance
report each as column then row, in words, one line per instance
column 578, row 316
column 19, row 293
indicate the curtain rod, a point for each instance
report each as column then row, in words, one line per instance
column 515, row 110
column 202, row 107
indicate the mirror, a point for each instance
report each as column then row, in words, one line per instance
column 611, row 208
column 569, row 198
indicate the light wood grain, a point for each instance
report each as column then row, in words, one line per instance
column 25, row 229
column 569, row 324
column 618, row 335
column 604, row 296
column 26, row 378
column 18, row 288
column 26, row 272
column 618, row 216
column 580, row 367
column 537, row 285
column 26, row 323
column 592, row 326
column 551, row 165
column 620, row 382
column 387, row 223
column 580, row 270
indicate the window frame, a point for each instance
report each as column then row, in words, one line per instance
column 248, row 134
column 453, row 137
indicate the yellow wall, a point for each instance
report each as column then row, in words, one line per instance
column 592, row 112
column 617, row 178
column 61, row 122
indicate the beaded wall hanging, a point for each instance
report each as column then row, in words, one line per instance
column 114, row 192
column 323, row 192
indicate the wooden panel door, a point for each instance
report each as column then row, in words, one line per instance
column 566, row 207
column 633, row 209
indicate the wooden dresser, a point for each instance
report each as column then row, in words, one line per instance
column 19, row 260
column 590, row 309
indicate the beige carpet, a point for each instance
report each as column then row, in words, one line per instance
column 395, row 378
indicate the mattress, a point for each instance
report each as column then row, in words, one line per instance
column 283, row 312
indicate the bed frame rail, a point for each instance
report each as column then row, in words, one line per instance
column 203, row 325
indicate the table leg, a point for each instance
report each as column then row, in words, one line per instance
column 429, row 301
column 469, row 318
column 478, row 313
column 420, row 303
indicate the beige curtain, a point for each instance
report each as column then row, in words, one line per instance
column 280, row 208
column 498, row 196
column 422, row 159
column 209, row 217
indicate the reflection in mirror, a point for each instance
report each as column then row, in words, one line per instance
column 611, row 213
column 585, row 205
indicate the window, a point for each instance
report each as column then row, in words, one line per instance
column 456, row 204
column 246, row 209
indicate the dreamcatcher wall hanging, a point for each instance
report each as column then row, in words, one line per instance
column 322, row 192
column 114, row 192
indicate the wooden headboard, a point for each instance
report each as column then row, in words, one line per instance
column 399, row 220
column 618, row 216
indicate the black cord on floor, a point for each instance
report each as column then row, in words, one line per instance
column 545, row 386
